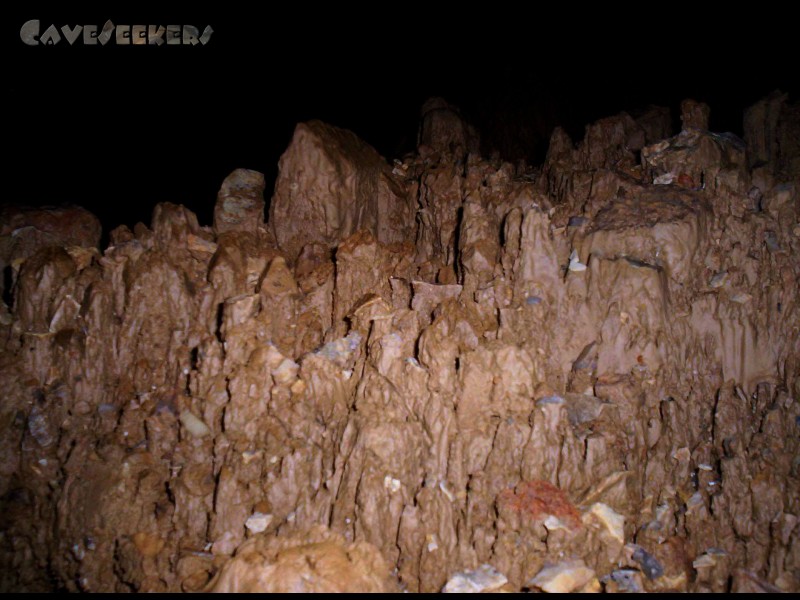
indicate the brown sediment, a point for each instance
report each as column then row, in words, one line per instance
column 583, row 376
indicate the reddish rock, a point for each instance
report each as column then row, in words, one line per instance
column 540, row 499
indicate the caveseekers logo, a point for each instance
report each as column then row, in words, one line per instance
column 123, row 35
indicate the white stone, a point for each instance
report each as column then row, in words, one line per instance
column 665, row 179
column 446, row 492
column 482, row 579
column 552, row 523
column 258, row 522
column 575, row 264
column 194, row 425
column 393, row 485
column 705, row 560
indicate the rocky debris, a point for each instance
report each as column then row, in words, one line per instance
column 316, row 561
column 696, row 159
column 627, row 581
column 647, row 562
column 484, row 579
column 565, row 578
column 440, row 390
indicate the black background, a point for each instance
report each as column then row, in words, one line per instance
column 118, row 129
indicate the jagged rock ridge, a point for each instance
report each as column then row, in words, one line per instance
column 583, row 376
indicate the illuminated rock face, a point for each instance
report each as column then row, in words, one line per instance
column 580, row 377
column 332, row 184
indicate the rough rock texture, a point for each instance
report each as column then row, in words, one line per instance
column 315, row 561
column 443, row 131
column 240, row 203
column 331, row 185
column 694, row 115
column 24, row 231
column 772, row 133
column 581, row 376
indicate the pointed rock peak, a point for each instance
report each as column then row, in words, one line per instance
column 443, row 130
column 694, row 115
column 240, row 202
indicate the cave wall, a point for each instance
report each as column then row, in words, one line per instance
column 583, row 375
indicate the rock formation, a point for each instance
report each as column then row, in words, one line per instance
column 441, row 373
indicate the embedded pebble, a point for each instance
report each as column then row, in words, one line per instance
column 628, row 580
column 718, row 280
column 392, row 485
column 194, row 425
column 339, row 351
column 39, row 428
column 483, row 579
column 446, row 492
column 649, row 563
column 249, row 455
column 550, row 400
column 611, row 520
column 705, row 560
column 696, row 499
column 563, row 578
column 771, row 238
column 682, row 454
column 553, row 523
column 533, row 300
column 575, row 264
column 286, row 372
column 258, row 522
column 665, row 179
column 78, row 552
column 577, row 221
column 298, row 387
column 741, row 298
